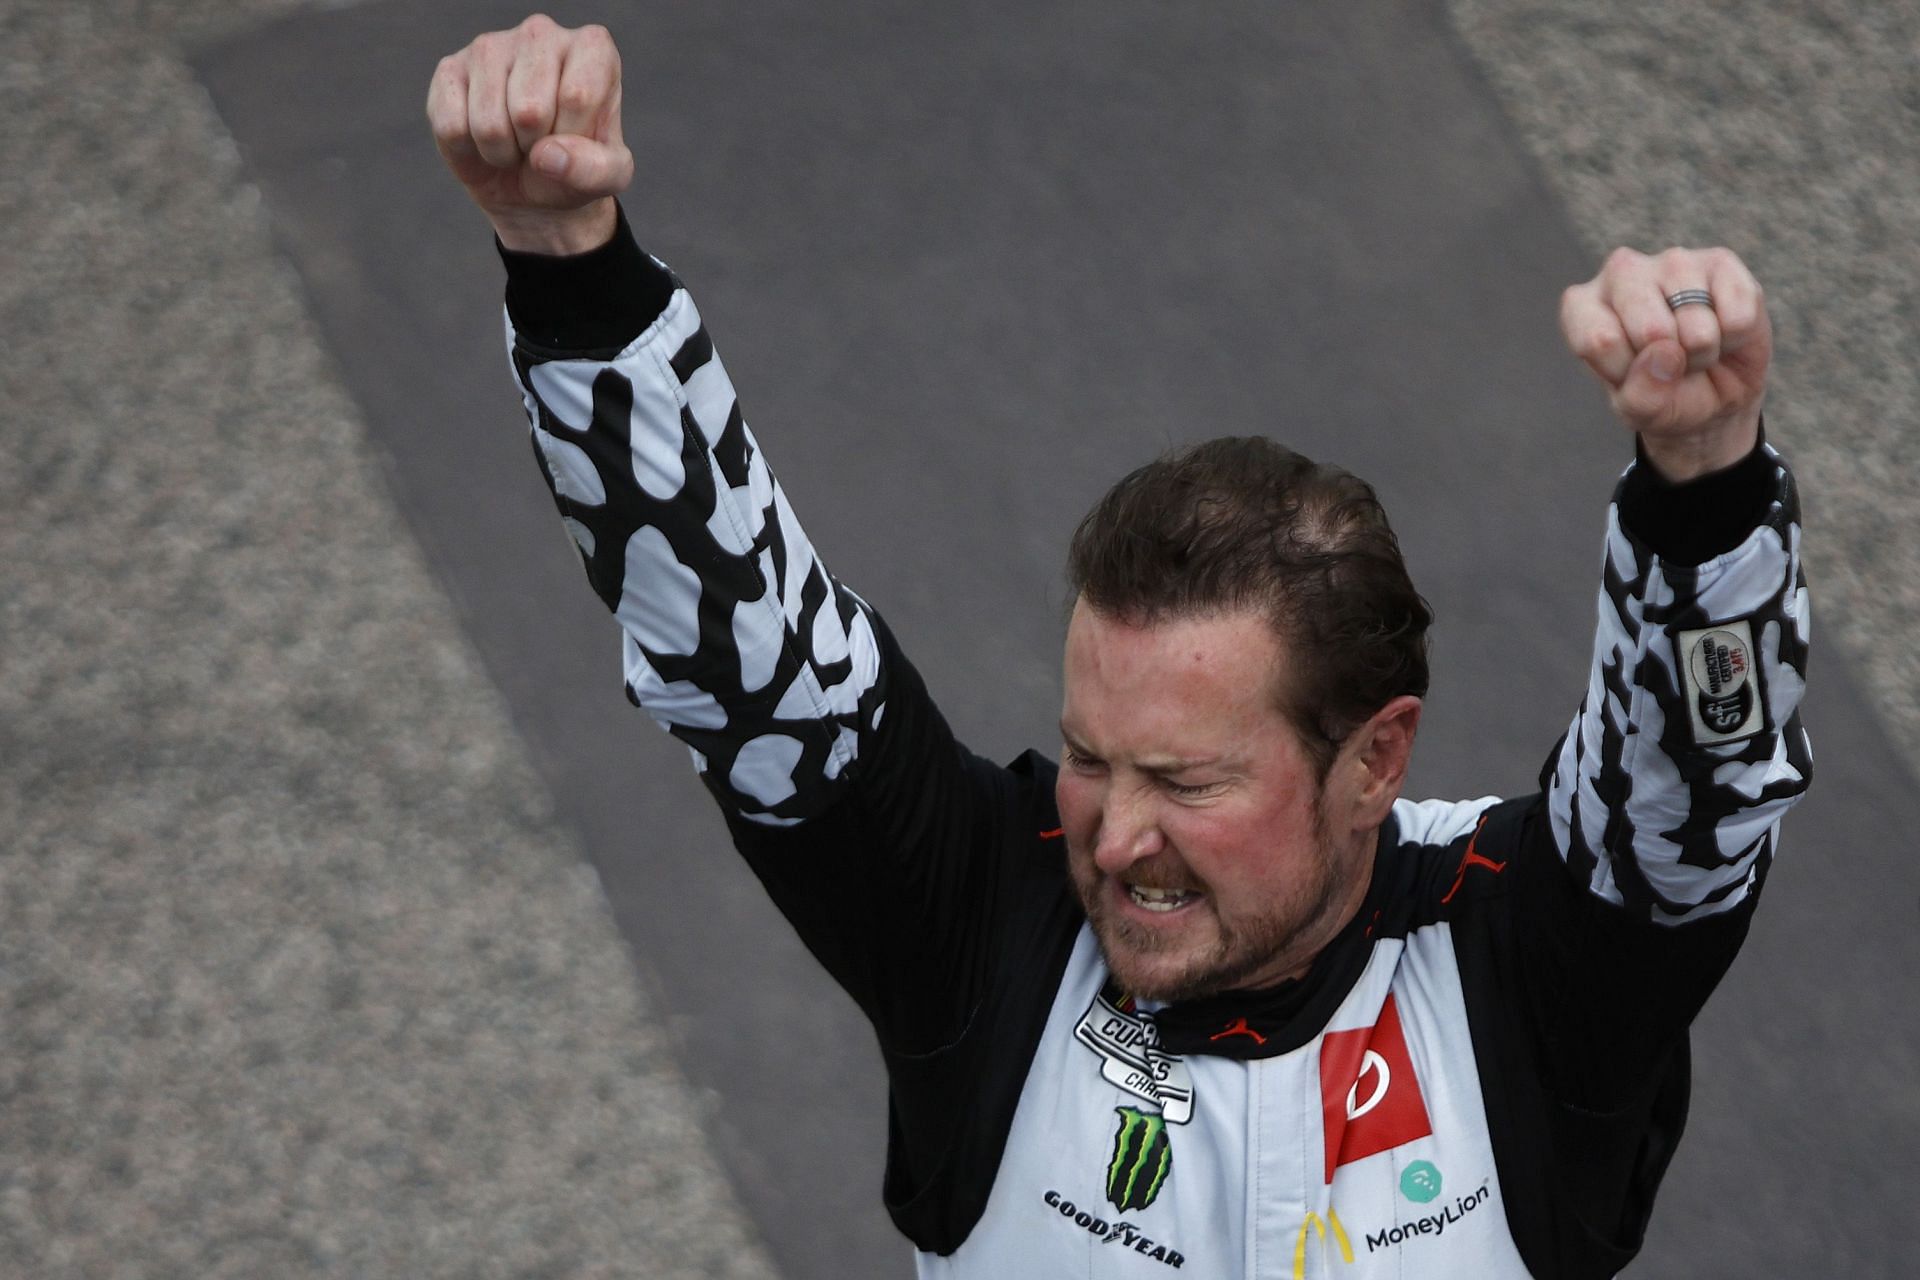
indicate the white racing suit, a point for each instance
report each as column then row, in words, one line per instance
column 1483, row 1076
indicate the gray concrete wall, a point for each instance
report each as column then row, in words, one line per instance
column 298, row 974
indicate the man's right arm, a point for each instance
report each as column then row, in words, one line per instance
column 736, row 639
column 905, row 862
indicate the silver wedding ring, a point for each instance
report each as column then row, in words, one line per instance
column 1690, row 298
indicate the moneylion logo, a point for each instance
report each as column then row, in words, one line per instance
column 1421, row 1182
column 1142, row 1159
column 1319, row 1226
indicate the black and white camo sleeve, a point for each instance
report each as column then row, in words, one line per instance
column 736, row 639
column 1667, row 792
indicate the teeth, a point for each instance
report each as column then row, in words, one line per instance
column 1159, row 899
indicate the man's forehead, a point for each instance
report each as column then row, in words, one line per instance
column 1170, row 690
column 1234, row 640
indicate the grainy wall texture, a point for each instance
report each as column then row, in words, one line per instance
column 298, row 975
column 1786, row 132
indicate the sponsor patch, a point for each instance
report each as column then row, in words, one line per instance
column 1132, row 1059
column 1123, row 1233
column 1718, row 669
column 1421, row 1182
column 1319, row 1227
column 1142, row 1158
column 1429, row 1224
column 1369, row 1097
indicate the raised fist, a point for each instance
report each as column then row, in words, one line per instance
column 529, row 122
column 1682, row 341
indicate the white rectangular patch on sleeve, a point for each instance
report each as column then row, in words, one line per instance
column 1719, row 670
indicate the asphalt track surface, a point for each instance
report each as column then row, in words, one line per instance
column 967, row 264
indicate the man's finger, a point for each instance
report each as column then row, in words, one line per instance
column 447, row 109
column 1697, row 326
column 1593, row 333
column 589, row 89
column 1738, row 299
column 489, row 59
column 532, row 89
column 1683, row 273
column 1630, row 285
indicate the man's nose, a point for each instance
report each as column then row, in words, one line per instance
column 1129, row 831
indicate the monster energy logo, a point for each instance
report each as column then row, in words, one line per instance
column 1142, row 1159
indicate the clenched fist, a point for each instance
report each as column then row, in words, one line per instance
column 1682, row 341
column 529, row 122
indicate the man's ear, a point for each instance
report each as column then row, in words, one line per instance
column 1380, row 750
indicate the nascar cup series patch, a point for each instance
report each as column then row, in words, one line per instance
column 1128, row 1045
column 1718, row 669
column 1131, row 1057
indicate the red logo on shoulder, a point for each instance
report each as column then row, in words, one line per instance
column 1369, row 1095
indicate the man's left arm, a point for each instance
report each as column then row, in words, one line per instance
column 1668, row 790
column 1617, row 900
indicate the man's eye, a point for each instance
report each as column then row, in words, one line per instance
column 1191, row 789
column 1075, row 760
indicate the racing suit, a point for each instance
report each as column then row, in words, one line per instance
column 1485, row 1074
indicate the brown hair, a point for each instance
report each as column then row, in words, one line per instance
column 1244, row 523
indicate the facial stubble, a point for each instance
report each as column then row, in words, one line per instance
column 1243, row 947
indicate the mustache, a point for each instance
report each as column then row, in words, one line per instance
column 1167, row 874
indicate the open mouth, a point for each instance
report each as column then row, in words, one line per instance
column 1161, row 900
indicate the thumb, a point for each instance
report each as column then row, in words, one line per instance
column 1648, row 389
column 581, row 166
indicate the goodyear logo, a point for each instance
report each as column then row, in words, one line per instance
column 1122, row 1233
column 1142, row 1159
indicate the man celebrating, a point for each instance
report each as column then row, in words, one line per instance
column 1207, row 989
